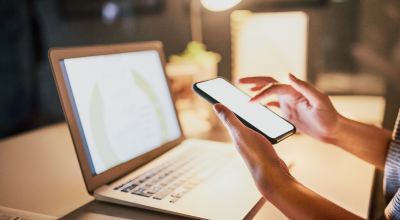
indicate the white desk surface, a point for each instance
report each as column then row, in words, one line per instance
column 40, row 173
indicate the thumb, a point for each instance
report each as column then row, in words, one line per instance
column 229, row 119
column 306, row 89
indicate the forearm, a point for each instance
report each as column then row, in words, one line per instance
column 367, row 142
column 298, row 202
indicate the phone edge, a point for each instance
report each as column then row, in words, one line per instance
column 247, row 124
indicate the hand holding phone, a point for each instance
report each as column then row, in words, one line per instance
column 253, row 115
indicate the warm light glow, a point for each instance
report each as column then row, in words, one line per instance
column 219, row 5
column 270, row 44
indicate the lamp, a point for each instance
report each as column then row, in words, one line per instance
column 219, row 5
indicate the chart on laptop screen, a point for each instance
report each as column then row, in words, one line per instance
column 124, row 105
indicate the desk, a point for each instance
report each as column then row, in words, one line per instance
column 40, row 173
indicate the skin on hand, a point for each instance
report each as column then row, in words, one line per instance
column 267, row 169
column 302, row 104
column 313, row 113
column 272, row 176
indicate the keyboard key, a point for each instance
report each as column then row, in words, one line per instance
column 141, row 193
column 152, row 191
column 158, row 187
column 119, row 187
column 174, row 186
column 193, row 183
column 144, row 187
column 174, row 194
column 188, row 169
column 146, row 194
column 137, row 192
column 129, row 188
column 190, row 185
column 154, row 170
column 184, row 179
column 163, row 193
column 179, row 195
column 164, row 183
column 188, row 175
column 173, row 200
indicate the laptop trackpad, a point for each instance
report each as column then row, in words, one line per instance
column 231, row 191
column 235, row 178
column 235, row 175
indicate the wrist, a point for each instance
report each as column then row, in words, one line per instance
column 277, row 186
column 336, row 135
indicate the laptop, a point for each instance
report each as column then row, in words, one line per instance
column 129, row 142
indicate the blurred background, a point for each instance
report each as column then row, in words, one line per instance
column 344, row 47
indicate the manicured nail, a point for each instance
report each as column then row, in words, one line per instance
column 237, row 80
column 218, row 108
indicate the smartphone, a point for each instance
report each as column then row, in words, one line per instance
column 254, row 115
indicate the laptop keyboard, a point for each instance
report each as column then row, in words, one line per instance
column 178, row 176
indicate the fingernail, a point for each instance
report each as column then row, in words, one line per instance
column 237, row 81
column 293, row 78
column 218, row 108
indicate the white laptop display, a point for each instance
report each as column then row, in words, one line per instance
column 128, row 138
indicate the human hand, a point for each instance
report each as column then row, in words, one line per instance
column 272, row 176
column 302, row 104
column 268, row 170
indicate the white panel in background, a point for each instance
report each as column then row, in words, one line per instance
column 269, row 44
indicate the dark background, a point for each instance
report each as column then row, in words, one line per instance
column 28, row 28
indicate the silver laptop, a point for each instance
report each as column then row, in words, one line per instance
column 129, row 142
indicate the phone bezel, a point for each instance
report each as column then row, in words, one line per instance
column 213, row 101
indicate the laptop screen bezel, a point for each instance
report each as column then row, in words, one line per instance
column 58, row 54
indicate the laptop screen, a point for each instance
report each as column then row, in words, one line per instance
column 122, row 105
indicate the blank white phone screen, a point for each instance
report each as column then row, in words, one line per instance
column 256, row 114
